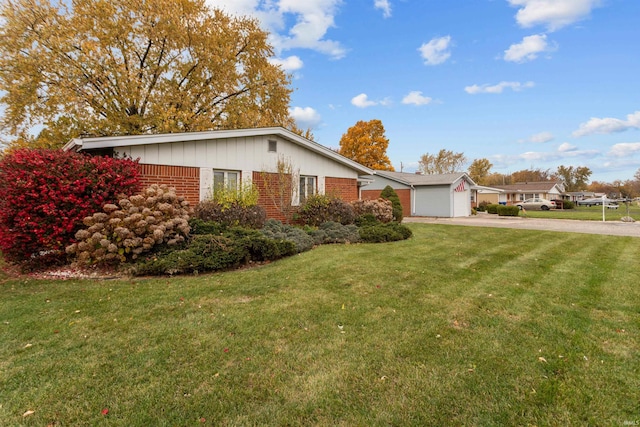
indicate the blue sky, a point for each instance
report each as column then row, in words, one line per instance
column 523, row 83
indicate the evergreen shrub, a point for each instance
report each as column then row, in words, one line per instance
column 276, row 230
column 334, row 232
column 508, row 210
column 390, row 194
column 384, row 233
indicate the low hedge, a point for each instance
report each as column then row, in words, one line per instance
column 380, row 233
column 508, row 210
column 492, row 208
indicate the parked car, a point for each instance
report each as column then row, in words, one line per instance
column 537, row 203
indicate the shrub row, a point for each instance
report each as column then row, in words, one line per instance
column 232, row 213
column 508, row 210
column 380, row 233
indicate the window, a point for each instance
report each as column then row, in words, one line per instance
column 273, row 146
column 307, row 187
column 225, row 180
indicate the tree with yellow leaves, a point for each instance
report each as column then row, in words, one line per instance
column 123, row 67
column 366, row 143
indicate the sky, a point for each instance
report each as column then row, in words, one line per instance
column 523, row 83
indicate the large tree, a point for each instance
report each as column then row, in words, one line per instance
column 531, row 175
column 446, row 161
column 366, row 143
column 479, row 171
column 109, row 67
column 575, row 178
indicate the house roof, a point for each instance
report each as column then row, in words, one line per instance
column 80, row 144
column 424, row 180
column 530, row 186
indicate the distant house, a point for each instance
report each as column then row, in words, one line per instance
column 574, row 196
column 444, row 195
column 196, row 162
column 484, row 194
column 514, row 193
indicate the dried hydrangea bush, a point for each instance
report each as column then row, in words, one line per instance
column 381, row 209
column 122, row 232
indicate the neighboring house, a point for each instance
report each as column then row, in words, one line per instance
column 444, row 195
column 518, row 192
column 483, row 194
column 574, row 196
column 196, row 162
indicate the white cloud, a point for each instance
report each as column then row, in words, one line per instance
column 313, row 18
column 416, row 98
column 290, row 63
column 608, row 125
column 305, row 117
column 436, row 51
column 499, row 88
column 565, row 147
column 363, row 101
column 528, row 49
column 624, row 149
column 383, row 5
column 541, row 138
column 554, row 14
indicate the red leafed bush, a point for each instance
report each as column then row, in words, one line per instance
column 45, row 194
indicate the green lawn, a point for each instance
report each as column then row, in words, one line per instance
column 593, row 213
column 455, row 326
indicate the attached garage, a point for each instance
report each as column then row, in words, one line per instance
column 441, row 195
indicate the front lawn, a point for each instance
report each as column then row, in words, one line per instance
column 451, row 327
column 584, row 213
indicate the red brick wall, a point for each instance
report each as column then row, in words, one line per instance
column 186, row 180
column 264, row 181
column 403, row 195
column 343, row 188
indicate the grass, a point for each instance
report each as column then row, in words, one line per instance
column 452, row 327
column 584, row 213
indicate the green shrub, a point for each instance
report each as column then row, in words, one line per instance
column 204, row 253
column 568, row 204
column 388, row 193
column 276, row 230
column 318, row 209
column 482, row 206
column 122, row 232
column 381, row 209
column 492, row 208
column 199, row 226
column 384, row 233
column 334, row 232
column 508, row 210
column 366, row 219
column 231, row 214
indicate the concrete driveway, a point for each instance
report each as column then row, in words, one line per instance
column 611, row 228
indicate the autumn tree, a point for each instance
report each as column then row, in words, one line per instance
column 111, row 67
column 575, row 178
column 366, row 143
column 531, row 175
column 446, row 161
column 479, row 170
column 497, row 178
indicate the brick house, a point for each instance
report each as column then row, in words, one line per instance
column 196, row 162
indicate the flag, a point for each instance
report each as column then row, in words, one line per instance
column 460, row 187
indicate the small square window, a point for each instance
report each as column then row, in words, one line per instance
column 273, row 146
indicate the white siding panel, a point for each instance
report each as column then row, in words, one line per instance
column 189, row 153
column 177, row 153
column 241, row 154
column 164, row 154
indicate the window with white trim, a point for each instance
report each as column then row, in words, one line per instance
column 307, row 187
column 227, row 180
